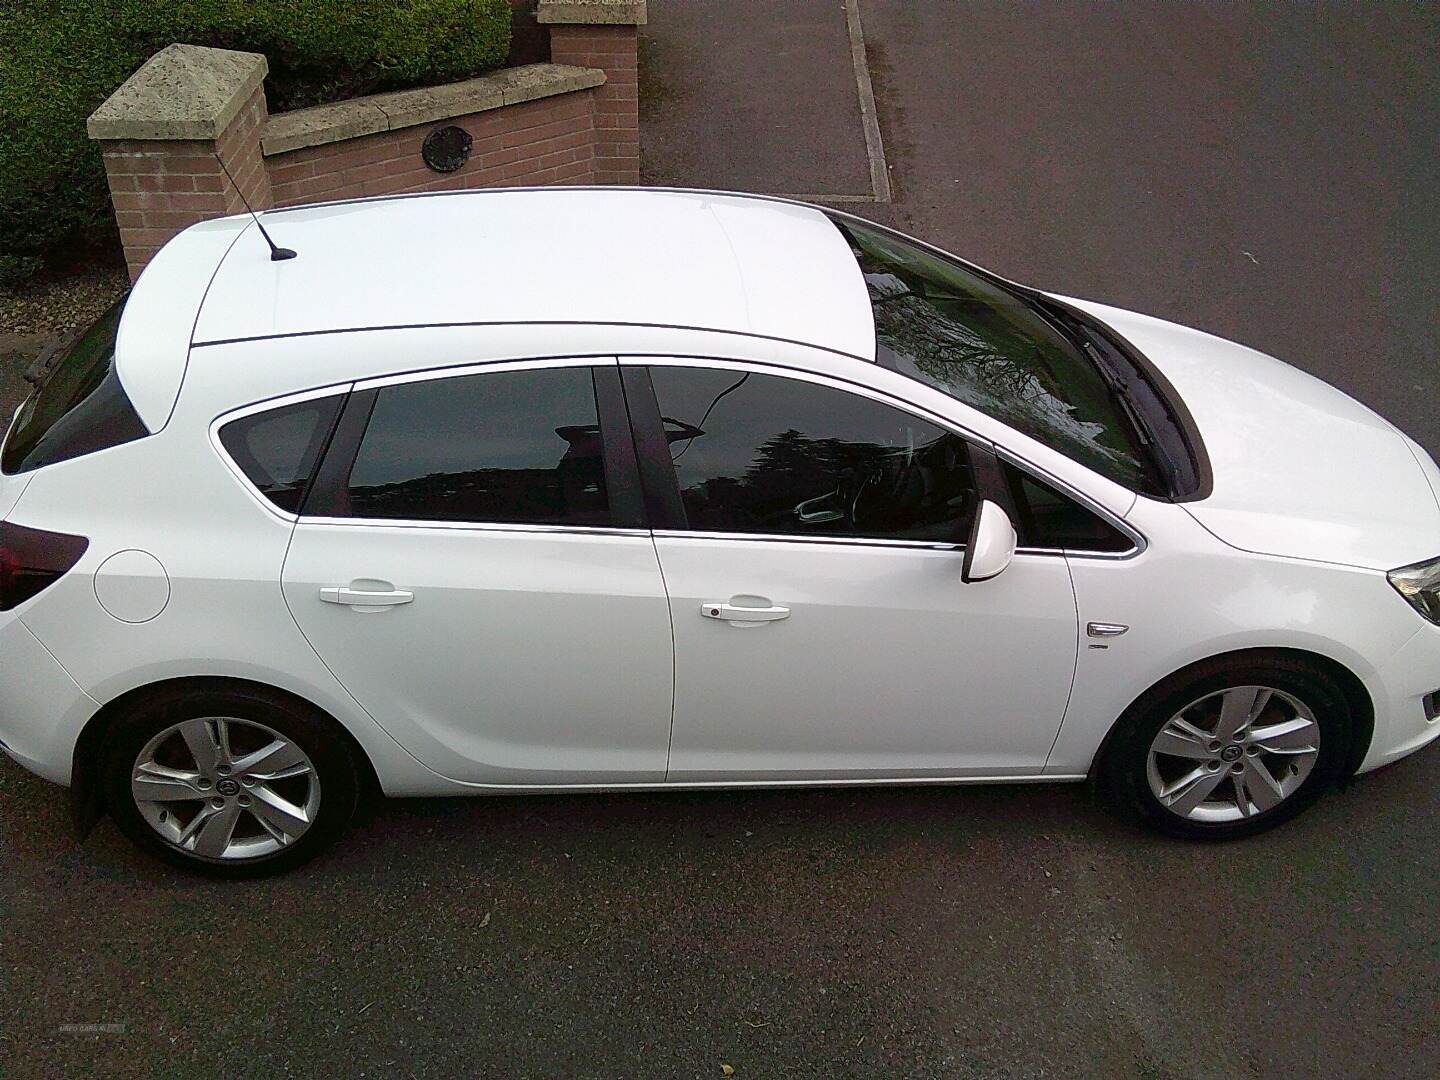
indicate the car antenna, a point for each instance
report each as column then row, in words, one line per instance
column 277, row 254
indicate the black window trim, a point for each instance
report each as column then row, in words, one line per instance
column 662, row 488
column 663, row 505
column 328, row 500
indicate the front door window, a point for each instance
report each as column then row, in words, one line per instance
column 757, row 453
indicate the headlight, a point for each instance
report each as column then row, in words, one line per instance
column 1420, row 584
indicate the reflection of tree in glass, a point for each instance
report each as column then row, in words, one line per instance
column 970, row 347
column 967, row 337
column 849, row 487
column 791, row 463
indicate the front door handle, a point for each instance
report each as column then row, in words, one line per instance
column 363, row 598
column 732, row 613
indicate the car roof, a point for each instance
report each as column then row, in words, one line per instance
column 657, row 257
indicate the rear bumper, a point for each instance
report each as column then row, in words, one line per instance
column 42, row 709
column 1399, row 689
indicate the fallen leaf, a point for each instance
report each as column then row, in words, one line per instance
column 728, row 1070
column 486, row 920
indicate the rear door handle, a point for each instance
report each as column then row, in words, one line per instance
column 732, row 614
column 362, row 598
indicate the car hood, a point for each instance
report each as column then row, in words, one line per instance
column 1300, row 469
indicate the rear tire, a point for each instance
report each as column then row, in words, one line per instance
column 1174, row 764
column 231, row 783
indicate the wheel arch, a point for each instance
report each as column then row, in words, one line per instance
column 1357, row 697
column 85, row 797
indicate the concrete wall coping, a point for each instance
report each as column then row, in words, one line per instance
column 182, row 92
column 591, row 12
column 407, row 108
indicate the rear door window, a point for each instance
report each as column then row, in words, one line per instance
column 505, row 447
column 79, row 406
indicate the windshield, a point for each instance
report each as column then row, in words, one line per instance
column 982, row 344
column 79, row 406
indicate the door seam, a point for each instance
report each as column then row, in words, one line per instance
column 1074, row 670
column 659, row 566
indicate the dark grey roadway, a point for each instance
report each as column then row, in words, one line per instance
column 1132, row 153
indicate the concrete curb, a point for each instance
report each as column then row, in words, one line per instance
column 869, row 114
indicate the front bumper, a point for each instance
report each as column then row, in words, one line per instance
column 1398, row 690
column 42, row 709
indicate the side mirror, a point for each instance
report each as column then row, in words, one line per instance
column 991, row 545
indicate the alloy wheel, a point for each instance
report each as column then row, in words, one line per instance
column 225, row 788
column 1233, row 754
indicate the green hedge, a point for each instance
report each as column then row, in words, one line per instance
column 59, row 59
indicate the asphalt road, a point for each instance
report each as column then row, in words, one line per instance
column 1130, row 153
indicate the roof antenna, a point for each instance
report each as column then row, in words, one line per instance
column 277, row 254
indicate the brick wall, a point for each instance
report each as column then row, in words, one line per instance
column 162, row 187
column 548, row 141
column 165, row 132
column 617, row 103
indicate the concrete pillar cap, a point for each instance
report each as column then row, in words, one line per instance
column 182, row 92
column 591, row 12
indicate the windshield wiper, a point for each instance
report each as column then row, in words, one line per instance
column 1095, row 346
column 50, row 356
column 1119, row 393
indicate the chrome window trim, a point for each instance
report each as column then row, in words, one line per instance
column 252, row 409
column 472, row 526
column 460, row 371
column 842, row 541
column 832, row 382
column 833, row 541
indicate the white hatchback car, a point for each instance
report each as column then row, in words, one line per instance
column 578, row 489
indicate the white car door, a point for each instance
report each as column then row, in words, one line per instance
column 472, row 565
column 809, row 534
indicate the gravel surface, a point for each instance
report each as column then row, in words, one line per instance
column 61, row 304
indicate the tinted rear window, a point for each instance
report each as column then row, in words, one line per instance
column 512, row 447
column 80, row 406
column 279, row 449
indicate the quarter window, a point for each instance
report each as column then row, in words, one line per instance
column 1049, row 519
column 279, row 449
column 760, row 453
column 519, row 447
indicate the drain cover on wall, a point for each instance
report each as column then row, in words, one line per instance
column 446, row 149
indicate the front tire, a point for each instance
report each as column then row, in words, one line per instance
column 1228, row 748
column 233, row 783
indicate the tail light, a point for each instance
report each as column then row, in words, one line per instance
column 32, row 559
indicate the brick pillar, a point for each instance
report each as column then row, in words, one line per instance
column 604, row 34
column 161, row 134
